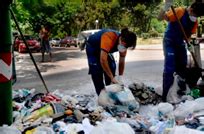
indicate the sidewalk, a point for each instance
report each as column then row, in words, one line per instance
column 149, row 47
column 157, row 46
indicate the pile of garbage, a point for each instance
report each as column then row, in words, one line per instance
column 117, row 110
column 145, row 94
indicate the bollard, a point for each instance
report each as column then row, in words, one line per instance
column 5, row 64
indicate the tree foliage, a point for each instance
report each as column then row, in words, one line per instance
column 68, row 17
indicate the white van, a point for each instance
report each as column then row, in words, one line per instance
column 83, row 35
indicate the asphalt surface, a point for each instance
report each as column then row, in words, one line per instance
column 68, row 72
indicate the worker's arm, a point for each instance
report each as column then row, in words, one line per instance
column 107, row 43
column 105, row 65
column 166, row 7
column 169, row 15
column 194, row 30
column 122, row 62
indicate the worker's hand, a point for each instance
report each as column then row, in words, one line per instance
column 118, row 80
column 114, row 81
column 191, row 48
column 168, row 4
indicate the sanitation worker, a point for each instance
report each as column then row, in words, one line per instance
column 174, row 46
column 99, row 49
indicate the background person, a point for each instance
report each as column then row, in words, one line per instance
column 45, row 45
column 174, row 47
column 99, row 49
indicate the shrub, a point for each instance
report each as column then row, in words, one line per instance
column 153, row 33
column 145, row 35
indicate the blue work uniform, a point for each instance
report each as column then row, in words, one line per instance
column 175, row 53
column 93, row 51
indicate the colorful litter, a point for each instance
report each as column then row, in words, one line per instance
column 133, row 109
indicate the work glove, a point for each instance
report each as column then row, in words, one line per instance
column 167, row 4
column 120, row 80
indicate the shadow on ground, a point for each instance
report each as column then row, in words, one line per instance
column 25, row 65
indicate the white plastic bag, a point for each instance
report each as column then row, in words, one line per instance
column 199, row 104
column 43, row 130
column 114, row 88
column 165, row 108
column 172, row 96
column 189, row 107
column 9, row 130
column 104, row 99
column 185, row 130
column 127, row 98
column 149, row 111
column 112, row 127
column 184, row 109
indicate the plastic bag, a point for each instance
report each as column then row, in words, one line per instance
column 105, row 100
column 184, row 109
column 127, row 98
column 189, row 107
column 165, row 108
column 9, row 130
column 199, row 104
column 123, row 97
column 112, row 127
column 149, row 111
column 173, row 96
column 184, row 130
column 43, row 130
column 114, row 88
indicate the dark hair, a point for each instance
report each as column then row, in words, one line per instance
column 129, row 37
column 198, row 8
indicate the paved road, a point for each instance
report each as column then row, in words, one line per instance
column 68, row 71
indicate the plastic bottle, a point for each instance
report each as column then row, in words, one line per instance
column 195, row 93
column 48, row 110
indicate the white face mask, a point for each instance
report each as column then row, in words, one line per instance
column 193, row 18
column 121, row 48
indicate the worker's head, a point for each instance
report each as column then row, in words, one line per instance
column 128, row 38
column 197, row 9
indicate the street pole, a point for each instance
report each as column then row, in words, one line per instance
column 5, row 64
column 96, row 22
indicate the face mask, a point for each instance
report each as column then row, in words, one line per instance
column 193, row 18
column 121, row 48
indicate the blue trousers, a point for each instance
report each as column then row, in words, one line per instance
column 99, row 77
column 175, row 60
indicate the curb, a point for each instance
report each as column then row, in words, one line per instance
column 157, row 47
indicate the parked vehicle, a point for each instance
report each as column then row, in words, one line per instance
column 33, row 43
column 55, row 42
column 68, row 41
column 84, row 35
